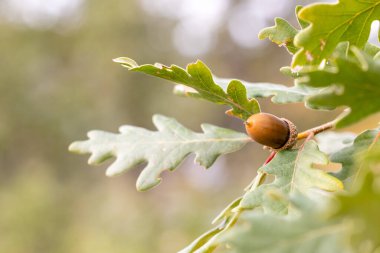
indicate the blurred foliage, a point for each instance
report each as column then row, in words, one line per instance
column 56, row 83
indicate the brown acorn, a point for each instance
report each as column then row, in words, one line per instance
column 271, row 131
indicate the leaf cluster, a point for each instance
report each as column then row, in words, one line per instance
column 295, row 203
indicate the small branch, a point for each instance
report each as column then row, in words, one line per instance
column 316, row 130
column 323, row 127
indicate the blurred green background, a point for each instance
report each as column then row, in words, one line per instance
column 57, row 82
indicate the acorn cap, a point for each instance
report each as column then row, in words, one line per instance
column 292, row 138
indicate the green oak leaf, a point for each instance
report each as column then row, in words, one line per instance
column 162, row 150
column 303, row 24
column 343, row 50
column 377, row 56
column 371, row 159
column 198, row 76
column 270, row 233
column 282, row 33
column 347, row 20
column 349, row 223
column 348, row 156
column 363, row 208
column 351, row 81
column 371, row 49
column 294, row 173
column 237, row 92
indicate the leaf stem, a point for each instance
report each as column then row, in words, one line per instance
column 257, row 181
column 270, row 157
column 376, row 139
column 237, row 211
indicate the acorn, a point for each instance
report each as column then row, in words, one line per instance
column 269, row 130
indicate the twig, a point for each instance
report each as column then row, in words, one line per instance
column 316, row 130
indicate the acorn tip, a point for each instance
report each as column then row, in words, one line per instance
column 248, row 124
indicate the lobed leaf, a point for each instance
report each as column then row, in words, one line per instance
column 371, row 49
column 199, row 77
column 294, row 173
column 348, row 156
column 371, row 159
column 162, row 150
column 282, row 33
column 362, row 207
column 283, row 234
column 303, row 24
column 352, row 82
column 349, row 223
column 330, row 24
